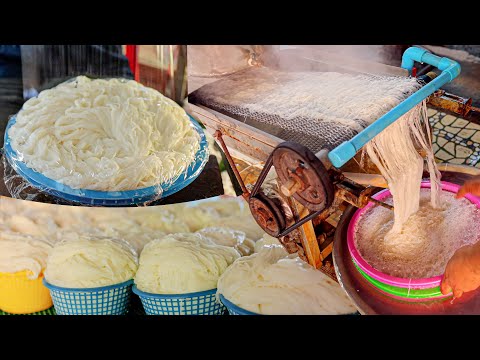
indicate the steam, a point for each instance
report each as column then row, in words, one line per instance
column 370, row 59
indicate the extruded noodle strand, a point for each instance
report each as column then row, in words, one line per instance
column 393, row 151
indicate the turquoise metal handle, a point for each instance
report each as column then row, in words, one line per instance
column 450, row 70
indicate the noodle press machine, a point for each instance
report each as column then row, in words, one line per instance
column 311, row 180
column 312, row 186
column 307, row 190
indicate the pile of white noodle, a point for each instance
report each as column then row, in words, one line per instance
column 108, row 135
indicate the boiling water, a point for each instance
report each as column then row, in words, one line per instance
column 427, row 240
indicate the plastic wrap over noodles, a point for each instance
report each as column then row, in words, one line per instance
column 103, row 135
column 20, row 188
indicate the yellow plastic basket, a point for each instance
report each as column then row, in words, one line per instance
column 20, row 295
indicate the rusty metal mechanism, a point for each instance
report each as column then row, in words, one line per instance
column 453, row 103
column 267, row 214
column 357, row 195
column 442, row 100
column 450, row 103
column 302, row 176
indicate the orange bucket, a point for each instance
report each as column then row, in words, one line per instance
column 20, row 295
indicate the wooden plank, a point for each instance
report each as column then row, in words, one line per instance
column 309, row 239
column 327, row 251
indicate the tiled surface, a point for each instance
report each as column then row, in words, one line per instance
column 455, row 140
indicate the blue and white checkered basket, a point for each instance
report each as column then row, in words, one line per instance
column 234, row 309
column 105, row 300
column 197, row 303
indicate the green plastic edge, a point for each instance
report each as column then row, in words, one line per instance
column 398, row 291
column 50, row 311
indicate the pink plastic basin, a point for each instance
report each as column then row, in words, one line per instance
column 424, row 283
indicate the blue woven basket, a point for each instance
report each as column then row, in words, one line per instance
column 108, row 198
column 197, row 303
column 105, row 300
column 234, row 309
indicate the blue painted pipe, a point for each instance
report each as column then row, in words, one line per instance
column 450, row 70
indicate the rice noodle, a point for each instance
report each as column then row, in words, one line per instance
column 108, row 135
column 393, row 151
